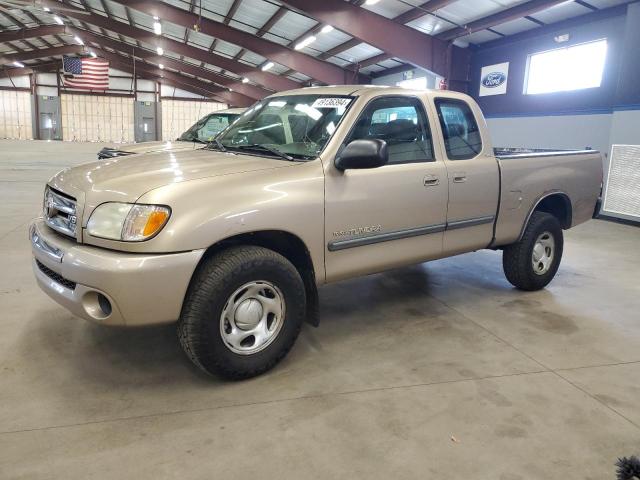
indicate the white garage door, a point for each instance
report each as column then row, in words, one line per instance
column 15, row 115
column 179, row 115
column 97, row 118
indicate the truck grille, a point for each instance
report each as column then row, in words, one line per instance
column 56, row 277
column 60, row 212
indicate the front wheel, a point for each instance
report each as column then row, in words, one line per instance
column 531, row 263
column 243, row 312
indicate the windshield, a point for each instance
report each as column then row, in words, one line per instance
column 290, row 126
column 208, row 127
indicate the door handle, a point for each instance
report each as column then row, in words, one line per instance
column 430, row 181
column 459, row 177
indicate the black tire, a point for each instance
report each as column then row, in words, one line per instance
column 213, row 283
column 517, row 258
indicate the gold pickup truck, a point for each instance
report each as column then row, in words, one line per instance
column 308, row 187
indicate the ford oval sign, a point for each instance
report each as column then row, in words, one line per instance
column 494, row 79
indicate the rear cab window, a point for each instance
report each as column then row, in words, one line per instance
column 462, row 139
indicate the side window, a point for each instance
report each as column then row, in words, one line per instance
column 462, row 138
column 214, row 125
column 402, row 123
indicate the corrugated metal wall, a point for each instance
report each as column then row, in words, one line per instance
column 99, row 118
column 179, row 115
column 15, row 115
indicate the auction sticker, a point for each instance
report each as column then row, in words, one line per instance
column 331, row 103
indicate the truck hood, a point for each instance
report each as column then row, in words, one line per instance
column 125, row 179
column 153, row 147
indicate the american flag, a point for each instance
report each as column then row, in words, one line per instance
column 86, row 73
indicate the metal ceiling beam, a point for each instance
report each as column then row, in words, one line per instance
column 31, row 33
column 190, row 84
column 300, row 62
column 504, row 16
column 40, row 53
column 149, row 75
column 249, row 90
column 16, row 72
column 266, row 79
column 264, row 28
column 400, row 41
column 232, row 11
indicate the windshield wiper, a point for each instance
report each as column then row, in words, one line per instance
column 266, row 148
column 218, row 144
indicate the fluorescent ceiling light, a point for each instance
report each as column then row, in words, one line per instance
column 93, row 54
column 245, row 80
column 306, row 42
column 161, row 66
column 267, row 66
column 160, row 51
column 46, row 9
column 79, row 40
column 371, row 2
column 157, row 28
column 327, row 29
column 58, row 20
column 19, row 64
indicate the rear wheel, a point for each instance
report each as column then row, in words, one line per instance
column 531, row 263
column 243, row 312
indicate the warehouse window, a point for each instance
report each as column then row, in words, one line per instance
column 566, row 69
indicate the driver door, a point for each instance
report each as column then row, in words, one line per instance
column 381, row 218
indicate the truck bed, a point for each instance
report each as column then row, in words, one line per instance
column 528, row 175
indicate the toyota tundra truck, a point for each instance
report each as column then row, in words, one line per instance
column 307, row 187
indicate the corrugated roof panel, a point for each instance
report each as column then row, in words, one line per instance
column 466, row 12
column 291, row 26
column 253, row 58
column 561, row 12
column 338, row 61
column 327, row 41
column 388, row 8
column 371, row 69
column 226, row 48
column 214, row 9
column 276, row 39
column 607, row 3
column 255, row 12
column 430, row 24
column 116, row 9
column 360, row 52
column 480, row 37
column 515, row 26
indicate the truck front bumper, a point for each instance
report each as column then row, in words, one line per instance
column 110, row 287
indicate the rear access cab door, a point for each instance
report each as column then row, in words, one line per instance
column 472, row 173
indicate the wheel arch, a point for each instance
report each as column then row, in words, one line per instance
column 555, row 203
column 289, row 246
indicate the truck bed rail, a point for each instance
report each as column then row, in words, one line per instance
column 503, row 153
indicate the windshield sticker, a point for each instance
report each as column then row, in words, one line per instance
column 331, row 103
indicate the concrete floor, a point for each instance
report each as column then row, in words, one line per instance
column 437, row 371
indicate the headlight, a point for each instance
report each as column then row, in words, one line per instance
column 127, row 221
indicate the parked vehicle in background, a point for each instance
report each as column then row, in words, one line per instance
column 308, row 187
column 202, row 132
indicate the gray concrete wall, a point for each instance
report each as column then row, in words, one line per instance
column 561, row 131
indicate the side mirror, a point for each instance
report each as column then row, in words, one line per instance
column 363, row 154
